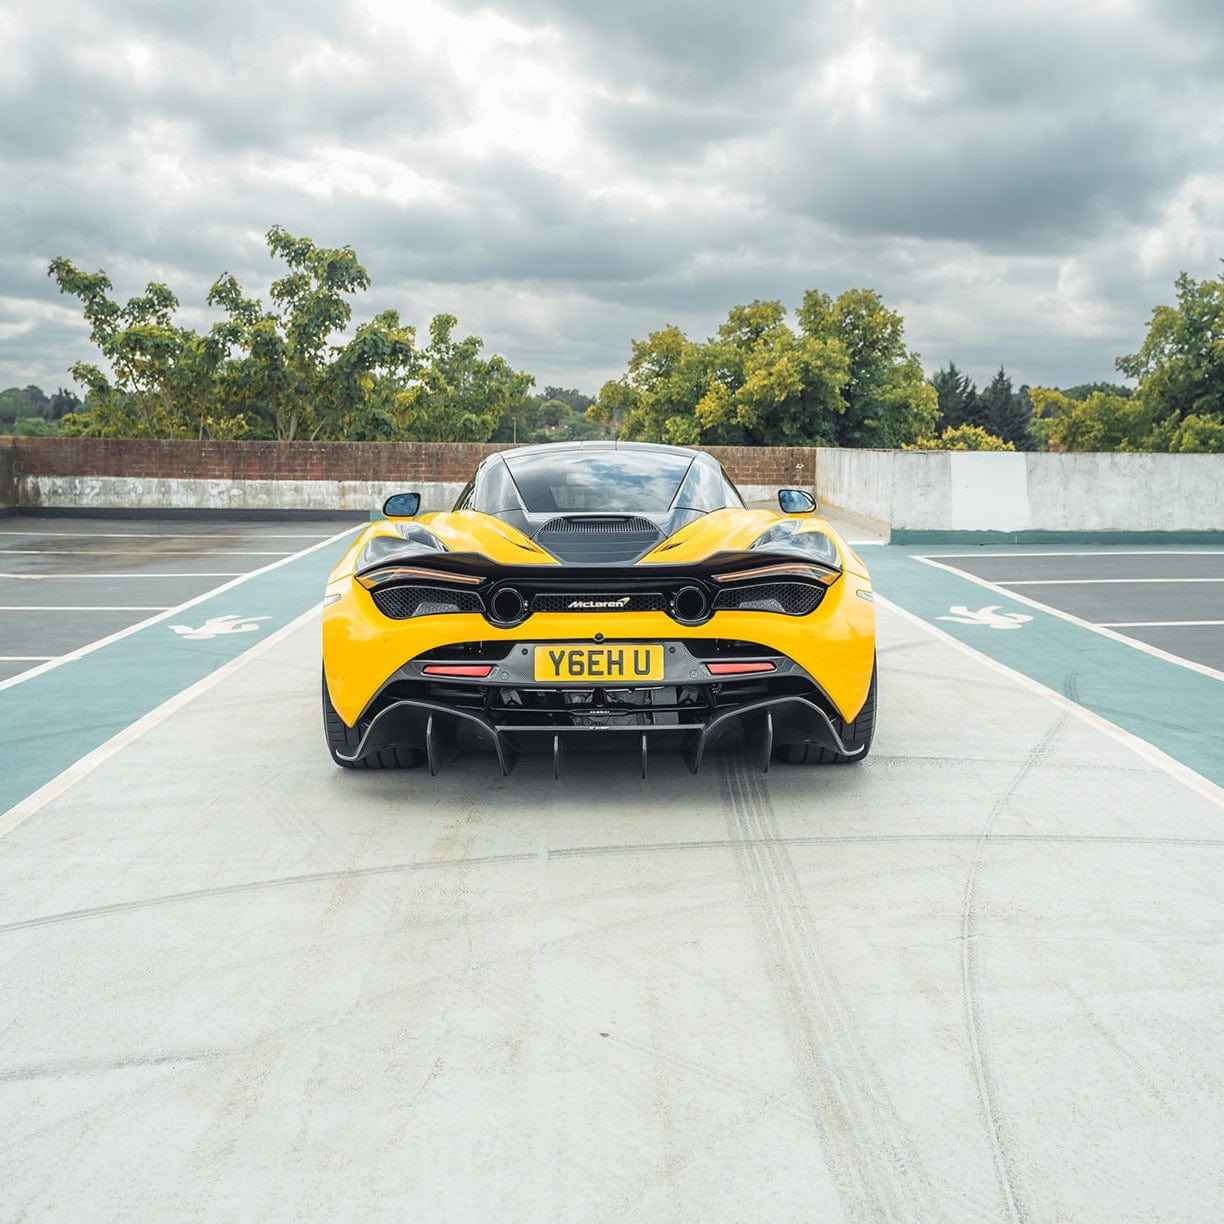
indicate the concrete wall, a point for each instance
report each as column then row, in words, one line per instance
column 921, row 491
column 135, row 474
column 961, row 491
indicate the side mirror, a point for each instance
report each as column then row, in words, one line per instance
column 402, row 505
column 796, row 501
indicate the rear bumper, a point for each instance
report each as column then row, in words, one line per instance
column 437, row 728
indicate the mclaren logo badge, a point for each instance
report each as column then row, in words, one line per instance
column 582, row 605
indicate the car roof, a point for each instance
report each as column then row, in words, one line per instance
column 560, row 448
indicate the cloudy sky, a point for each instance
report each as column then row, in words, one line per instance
column 1023, row 182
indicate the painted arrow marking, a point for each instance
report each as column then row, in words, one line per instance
column 991, row 617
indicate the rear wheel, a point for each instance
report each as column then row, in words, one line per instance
column 343, row 738
column 857, row 734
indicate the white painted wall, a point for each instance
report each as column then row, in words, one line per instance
column 1007, row 491
column 136, row 493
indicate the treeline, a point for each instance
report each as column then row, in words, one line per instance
column 275, row 371
column 837, row 373
column 29, row 411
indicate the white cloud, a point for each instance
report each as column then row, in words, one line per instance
column 1022, row 182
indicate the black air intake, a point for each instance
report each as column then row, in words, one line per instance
column 403, row 602
column 789, row 598
column 598, row 539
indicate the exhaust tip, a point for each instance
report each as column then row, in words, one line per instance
column 690, row 606
column 507, row 607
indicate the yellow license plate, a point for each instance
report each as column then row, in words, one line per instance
column 599, row 664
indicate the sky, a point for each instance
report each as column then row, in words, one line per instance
column 1022, row 182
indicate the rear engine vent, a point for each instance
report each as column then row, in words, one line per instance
column 402, row 602
column 598, row 540
column 790, row 598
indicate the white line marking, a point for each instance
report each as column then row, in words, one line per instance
column 161, row 616
column 1154, row 624
column 135, row 552
column 1020, row 551
column 62, row 577
column 1150, row 753
column 87, row 764
column 1012, row 582
column 168, row 535
column 1133, row 643
column 83, row 608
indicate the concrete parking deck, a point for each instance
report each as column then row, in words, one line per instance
column 976, row 978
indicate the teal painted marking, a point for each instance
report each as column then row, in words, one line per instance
column 47, row 723
column 1179, row 711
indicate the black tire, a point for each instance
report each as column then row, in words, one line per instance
column 859, row 733
column 343, row 738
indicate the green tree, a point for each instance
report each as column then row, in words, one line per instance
column 888, row 401
column 957, row 397
column 962, row 438
column 1102, row 422
column 1180, row 365
column 141, row 343
column 1005, row 413
column 576, row 399
column 1199, row 433
column 458, row 395
column 31, row 427
column 1081, row 391
column 284, row 371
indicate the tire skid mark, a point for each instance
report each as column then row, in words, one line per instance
column 866, row 1149
column 983, row 1074
column 250, row 886
column 389, row 869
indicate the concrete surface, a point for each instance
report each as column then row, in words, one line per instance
column 965, row 491
column 976, row 978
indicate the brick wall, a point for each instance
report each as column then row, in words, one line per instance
column 8, row 474
column 404, row 462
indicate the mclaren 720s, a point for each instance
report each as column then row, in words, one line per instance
column 598, row 593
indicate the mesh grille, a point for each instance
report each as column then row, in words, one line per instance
column 791, row 598
column 597, row 526
column 402, row 602
column 640, row 601
column 598, row 541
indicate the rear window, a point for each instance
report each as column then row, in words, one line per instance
column 597, row 480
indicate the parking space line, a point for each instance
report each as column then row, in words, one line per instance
column 165, row 535
column 82, row 607
column 52, row 577
column 1154, row 624
column 1015, row 582
column 1133, row 643
column 1106, row 550
column 135, row 552
column 82, row 651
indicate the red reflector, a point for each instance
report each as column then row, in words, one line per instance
column 738, row 669
column 477, row 670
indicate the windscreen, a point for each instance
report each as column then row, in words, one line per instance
column 594, row 481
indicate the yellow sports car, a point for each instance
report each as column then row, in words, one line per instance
column 593, row 592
